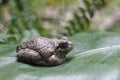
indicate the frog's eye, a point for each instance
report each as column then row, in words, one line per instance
column 64, row 45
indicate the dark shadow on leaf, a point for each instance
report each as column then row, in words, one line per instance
column 69, row 59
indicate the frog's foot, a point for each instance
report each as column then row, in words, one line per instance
column 54, row 60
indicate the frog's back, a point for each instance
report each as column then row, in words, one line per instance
column 44, row 45
column 39, row 44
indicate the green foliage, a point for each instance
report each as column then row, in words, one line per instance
column 110, row 10
column 9, row 39
column 54, row 2
column 23, row 17
column 95, row 57
column 81, row 20
column 115, row 28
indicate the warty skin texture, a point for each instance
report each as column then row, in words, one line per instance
column 44, row 51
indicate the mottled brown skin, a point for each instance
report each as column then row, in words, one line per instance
column 44, row 51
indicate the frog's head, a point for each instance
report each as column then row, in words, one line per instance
column 64, row 46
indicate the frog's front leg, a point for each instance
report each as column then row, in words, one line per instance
column 54, row 60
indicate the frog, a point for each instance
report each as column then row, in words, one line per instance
column 44, row 51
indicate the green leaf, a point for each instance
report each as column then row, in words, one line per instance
column 95, row 57
column 87, row 41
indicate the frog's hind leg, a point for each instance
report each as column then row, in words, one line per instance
column 28, row 56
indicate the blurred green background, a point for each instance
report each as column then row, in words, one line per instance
column 53, row 18
column 92, row 25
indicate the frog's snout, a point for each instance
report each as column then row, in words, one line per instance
column 71, row 46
